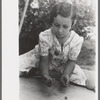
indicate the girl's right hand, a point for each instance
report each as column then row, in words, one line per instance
column 65, row 80
column 48, row 80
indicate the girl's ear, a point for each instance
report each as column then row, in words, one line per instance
column 73, row 23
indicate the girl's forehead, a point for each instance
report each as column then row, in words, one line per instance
column 62, row 20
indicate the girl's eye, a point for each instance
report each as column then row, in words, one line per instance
column 65, row 26
column 57, row 25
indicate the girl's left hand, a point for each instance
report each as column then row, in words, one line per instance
column 48, row 80
column 65, row 80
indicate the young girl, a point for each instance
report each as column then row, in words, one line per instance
column 57, row 50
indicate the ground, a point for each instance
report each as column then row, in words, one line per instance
column 87, row 55
column 35, row 89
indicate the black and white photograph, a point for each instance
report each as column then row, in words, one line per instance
column 57, row 49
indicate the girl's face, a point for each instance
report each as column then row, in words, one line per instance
column 61, row 26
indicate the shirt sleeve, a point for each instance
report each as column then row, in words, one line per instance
column 44, row 44
column 75, row 49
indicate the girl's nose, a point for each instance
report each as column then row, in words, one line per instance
column 60, row 30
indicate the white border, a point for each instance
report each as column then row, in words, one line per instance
column 96, row 76
column 10, row 50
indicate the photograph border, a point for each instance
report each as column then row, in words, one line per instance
column 98, row 50
column 1, row 50
column 4, row 76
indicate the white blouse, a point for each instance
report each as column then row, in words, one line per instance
column 49, row 45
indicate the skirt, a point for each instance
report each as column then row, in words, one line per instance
column 31, row 60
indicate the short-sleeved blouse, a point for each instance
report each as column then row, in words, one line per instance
column 49, row 45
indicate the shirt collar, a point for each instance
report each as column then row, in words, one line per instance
column 72, row 33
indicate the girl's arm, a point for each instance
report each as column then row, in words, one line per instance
column 69, row 67
column 44, row 62
column 44, row 68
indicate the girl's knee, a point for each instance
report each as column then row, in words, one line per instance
column 90, row 84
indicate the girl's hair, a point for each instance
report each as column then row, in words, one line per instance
column 64, row 9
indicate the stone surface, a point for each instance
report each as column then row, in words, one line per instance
column 35, row 89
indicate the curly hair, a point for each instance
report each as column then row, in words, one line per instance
column 64, row 9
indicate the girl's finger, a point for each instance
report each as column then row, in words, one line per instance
column 51, row 82
column 66, row 81
column 63, row 81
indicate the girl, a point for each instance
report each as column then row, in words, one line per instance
column 57, row 50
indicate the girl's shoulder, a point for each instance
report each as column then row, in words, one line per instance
column 46, row 36
column 76, row 38
column 46, row 33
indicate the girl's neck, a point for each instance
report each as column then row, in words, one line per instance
column 62, row 40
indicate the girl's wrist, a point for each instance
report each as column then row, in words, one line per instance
column 65, row 74
column 45, row 75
